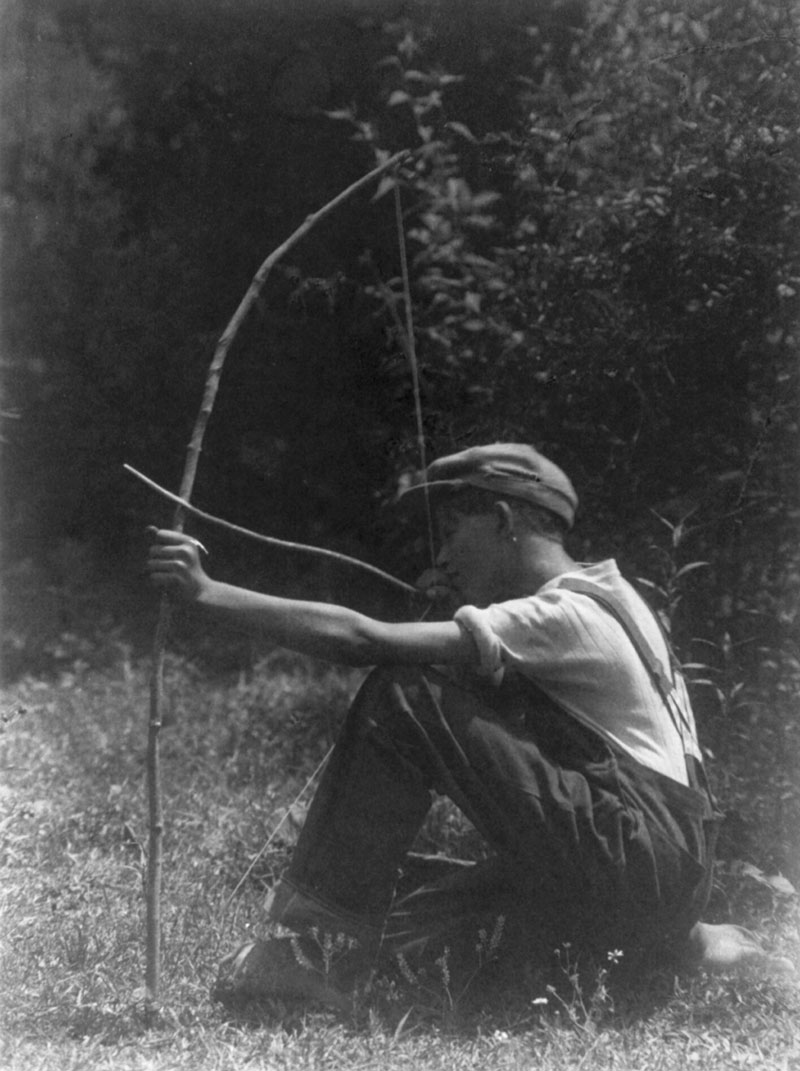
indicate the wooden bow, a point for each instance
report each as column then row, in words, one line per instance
column 155, row 809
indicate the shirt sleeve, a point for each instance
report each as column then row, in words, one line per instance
column 547, row 636
column 490, row 652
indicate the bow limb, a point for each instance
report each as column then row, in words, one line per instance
column 228, row 335
column 155, row 851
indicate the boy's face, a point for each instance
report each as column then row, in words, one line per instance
column 472, row 555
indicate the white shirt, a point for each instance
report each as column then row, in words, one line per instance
column 583, row 658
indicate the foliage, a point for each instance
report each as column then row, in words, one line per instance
column 603, row 216
column 612, row 272
column 137, row 207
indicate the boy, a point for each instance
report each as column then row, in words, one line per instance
column 554, row 718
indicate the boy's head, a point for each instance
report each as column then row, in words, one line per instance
column 473, row 480
column 473, row 501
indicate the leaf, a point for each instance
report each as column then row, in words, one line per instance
column 689, row 568
column 485, row 198
column 386, row 184
column 399, row 1028
column 663, row 520
column 398, row 97
column 463, row 130
column 485, row 222
column 777, row 882
column 649, row 584
column 781, row 885
column 699, row 31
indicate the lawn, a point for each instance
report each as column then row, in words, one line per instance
column 237, row 753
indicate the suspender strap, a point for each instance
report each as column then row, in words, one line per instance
column 663, row 681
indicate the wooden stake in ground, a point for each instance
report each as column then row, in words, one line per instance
column 155, row 807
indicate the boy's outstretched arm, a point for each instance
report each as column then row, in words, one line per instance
column 330, row 632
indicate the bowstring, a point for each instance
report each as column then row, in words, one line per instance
column 277, row 828
column 411, row 353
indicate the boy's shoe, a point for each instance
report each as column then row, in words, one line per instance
column 278, row 968
column 729, row 949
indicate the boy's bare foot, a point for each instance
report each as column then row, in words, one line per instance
column 729, row 949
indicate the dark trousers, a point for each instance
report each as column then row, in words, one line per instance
column 588, row 846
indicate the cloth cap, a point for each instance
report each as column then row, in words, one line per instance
column 511, row 469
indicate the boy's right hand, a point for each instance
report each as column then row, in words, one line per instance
column 435, row 586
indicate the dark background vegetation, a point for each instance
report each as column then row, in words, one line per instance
column 602, row 219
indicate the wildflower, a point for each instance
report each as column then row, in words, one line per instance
column 405, row 970
column 497, row 935
column 327, row 952
column 299, row 955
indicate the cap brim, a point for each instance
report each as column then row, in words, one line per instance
column 412, row 500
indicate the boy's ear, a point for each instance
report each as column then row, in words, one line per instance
column 506, row 522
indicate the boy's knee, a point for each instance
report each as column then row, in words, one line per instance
column 389, row 695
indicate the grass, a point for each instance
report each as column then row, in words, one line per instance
column 235, row 757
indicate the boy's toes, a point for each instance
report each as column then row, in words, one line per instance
column 729, row 949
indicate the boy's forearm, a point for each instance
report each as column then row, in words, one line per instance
column 333, row 633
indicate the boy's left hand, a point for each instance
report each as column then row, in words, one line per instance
column 173, row 564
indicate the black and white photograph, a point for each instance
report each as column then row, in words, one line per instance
column 400, row 550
